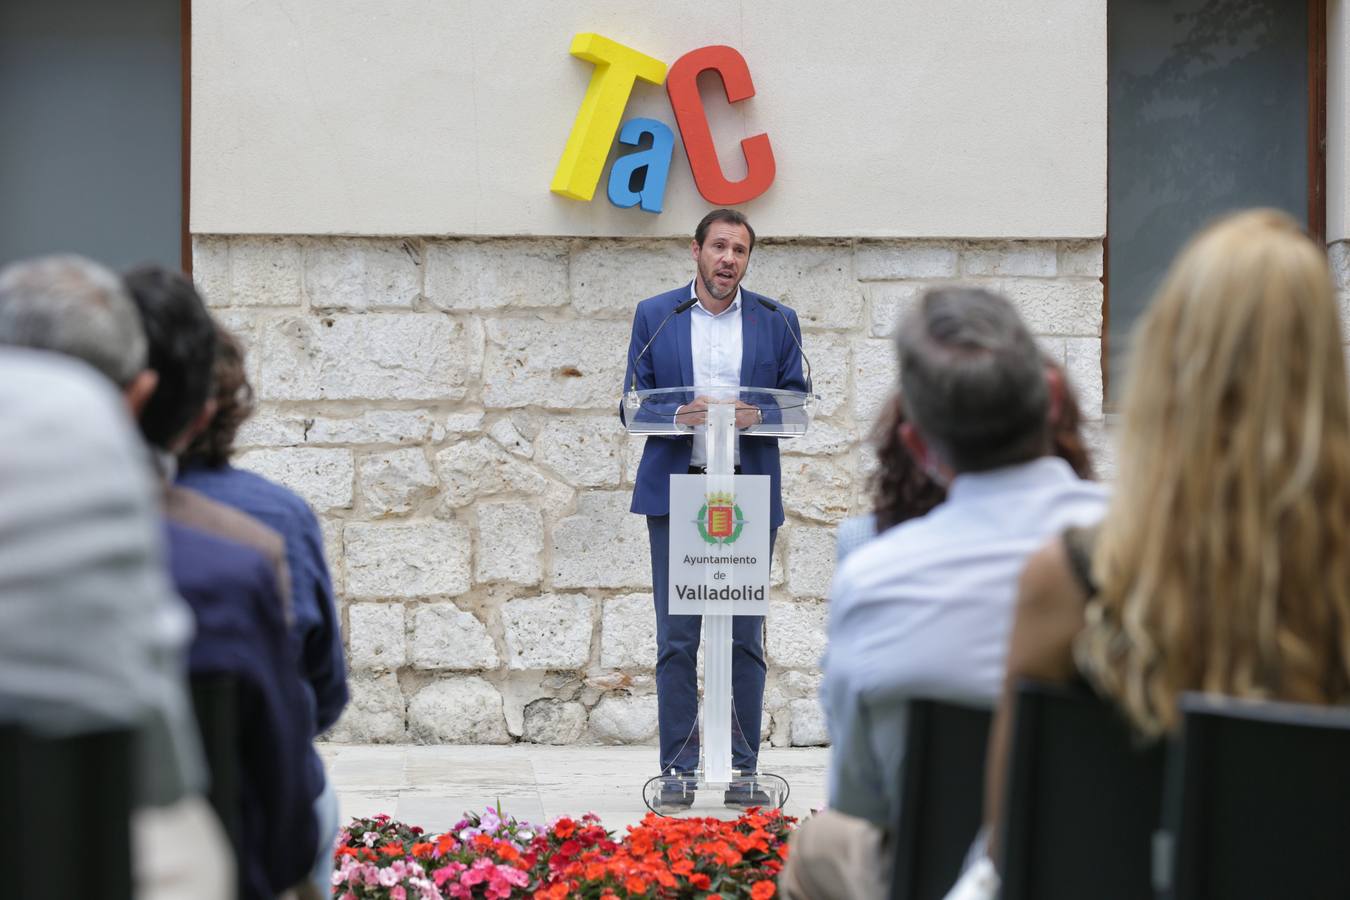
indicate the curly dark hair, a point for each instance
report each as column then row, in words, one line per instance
column 901, row 490
column 234, row 404
column 1067, row 428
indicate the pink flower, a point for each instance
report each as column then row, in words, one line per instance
column 398, row 893
column 513, row 876
column 447, row 873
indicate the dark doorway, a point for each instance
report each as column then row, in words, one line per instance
column 93, row 115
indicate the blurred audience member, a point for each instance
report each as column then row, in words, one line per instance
column 206, row 468
column 233, row 590
column 91, row 633
column 925, row 607
column 902, row 491
column 182, row 347
column 1221, row 565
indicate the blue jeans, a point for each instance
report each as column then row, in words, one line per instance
column 677, row 639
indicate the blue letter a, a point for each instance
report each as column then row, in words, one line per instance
column 628, row 183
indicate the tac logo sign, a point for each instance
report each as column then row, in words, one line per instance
column 639, row 178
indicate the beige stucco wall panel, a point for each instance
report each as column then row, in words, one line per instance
column 922, row 118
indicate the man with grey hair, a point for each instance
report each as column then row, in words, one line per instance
column 72, row 305
column 925, row 608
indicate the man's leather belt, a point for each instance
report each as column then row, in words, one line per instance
column 703, row 470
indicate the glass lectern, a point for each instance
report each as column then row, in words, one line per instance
column 720, row 578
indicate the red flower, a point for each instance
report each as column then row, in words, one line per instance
column 762, row 890
column 576, row 857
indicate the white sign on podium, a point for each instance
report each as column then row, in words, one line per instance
column 719, row 546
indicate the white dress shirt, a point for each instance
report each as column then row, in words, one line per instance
column 715, row 343
column 925, row 610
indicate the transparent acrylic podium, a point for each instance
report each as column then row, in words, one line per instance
column 764, row 412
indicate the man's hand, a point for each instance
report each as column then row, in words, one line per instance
column 695, row 413
column 747, row 414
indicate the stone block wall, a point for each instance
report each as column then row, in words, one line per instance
column 449, row 409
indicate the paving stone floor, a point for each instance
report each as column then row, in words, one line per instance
column 433, row 786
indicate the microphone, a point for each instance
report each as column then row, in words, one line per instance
column 632, row 363
column 769, row 304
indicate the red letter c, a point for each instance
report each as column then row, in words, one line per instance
column 682, row 86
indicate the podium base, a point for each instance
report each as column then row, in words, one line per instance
column 691, row 796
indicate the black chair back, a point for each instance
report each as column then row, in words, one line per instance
column 216, row 704
column 67, row 802
column 1083, row 800
column 1258, row 801
column 941, row 796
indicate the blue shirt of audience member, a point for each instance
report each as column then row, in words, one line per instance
column 241, row 632
column 323, row 667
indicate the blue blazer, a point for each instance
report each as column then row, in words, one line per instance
column 769, row 359
column 241, row 632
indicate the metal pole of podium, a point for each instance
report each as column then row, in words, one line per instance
column 717, row 709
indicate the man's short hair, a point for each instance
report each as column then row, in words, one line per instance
column 182, row 343
column 734, row 216
column 973, row 380
column 72, row 305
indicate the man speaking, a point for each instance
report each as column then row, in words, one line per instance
column 715, row 334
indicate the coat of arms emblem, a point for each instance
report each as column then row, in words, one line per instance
column 719, row 520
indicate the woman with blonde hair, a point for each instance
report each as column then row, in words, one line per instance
column 1222, row 563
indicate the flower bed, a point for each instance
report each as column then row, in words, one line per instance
column 496, row 856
